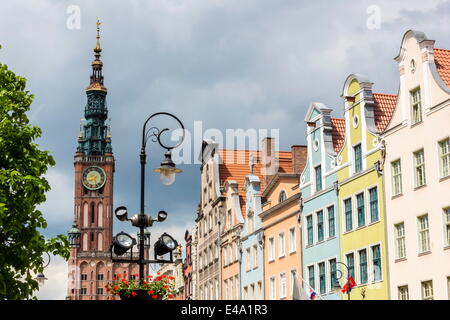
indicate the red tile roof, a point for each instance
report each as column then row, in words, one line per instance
column 442, row 60
column 338, row 133
column 384, row 108
column 238, row 168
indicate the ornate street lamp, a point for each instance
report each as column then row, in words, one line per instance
column 168, row 170
column 40, row 277
column 336, row 286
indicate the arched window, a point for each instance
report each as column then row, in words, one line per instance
column 282, row 197
column 92, row 212
column 85, row 214
column 100, row 215
column 100, row 242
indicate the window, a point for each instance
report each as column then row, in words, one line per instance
column 373, row 195
column 83, row 291
column 99, row 291
column 272, row 293
column 320, row 233
column 424, row 234
column 226, row 289
column 282, row 197
column 281, row 245
column 250, row 222
column 322, row 278
column 360, row 210
column 396, row 169
column 92, row 236
column 311, row 278
column 403, row 293
column 309, row 226
column 363, row 266
column 229, row 222
column 427, row 290
column 348, row 215
column 331, row 224
column 447, row 226
column 448, row 287
column 358, row 158
column 246, row 297
column 292, row 244
column 271, row 249
column 351, row 264
column 100, row 277
column 419, row 166
column 376, row 263
column 230, row 254
column 318, row 170
column 252, row 291
column 444, row 147
column 92, row 212
column 247, row 259
column 255, row 256
column 416, row 106
column 283, row 285
column 333, row 277
column 400, row 245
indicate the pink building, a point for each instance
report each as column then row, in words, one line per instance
column 417, row 173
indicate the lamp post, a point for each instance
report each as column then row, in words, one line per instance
column 337, row 286
column 40, row 277
column 166, row 244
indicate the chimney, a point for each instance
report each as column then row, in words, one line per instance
column 299, row 157
column 269, row 161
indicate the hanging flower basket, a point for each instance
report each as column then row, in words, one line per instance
column 161, row 287
column 139, row 294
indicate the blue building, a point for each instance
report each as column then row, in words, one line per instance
column 252, row 259
column 319, row 201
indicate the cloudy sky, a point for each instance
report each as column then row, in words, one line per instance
column 229, row 63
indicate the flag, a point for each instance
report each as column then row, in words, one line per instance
column 349, row 285
column 312, row 294
column 297, row 292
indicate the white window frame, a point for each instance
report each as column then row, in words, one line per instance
column 271, row 248
column 396, row 177
column 404, row 294
column 273, row 288
column 283, row 285
column 247, row 259
column 281, row 245
column 446, row 212
column 400, row 241
column 425, row 231
column 424, row 290
column 292, row 240
column 419, row 166
column 444, row 158
column 417, row 103
column 255, row 256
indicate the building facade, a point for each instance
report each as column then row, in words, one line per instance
column 90, row 266
column 280, row 219
column 188, row 268
column 418, row 173
column 319, row 201
column 359, row 164
column 252, row 241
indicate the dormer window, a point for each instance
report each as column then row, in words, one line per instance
column 282, row 197
column 416, row 106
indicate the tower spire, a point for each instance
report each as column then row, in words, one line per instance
column 96, row 82
column 94, row 139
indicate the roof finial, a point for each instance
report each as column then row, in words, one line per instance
column 98, row 49
column 252, row 163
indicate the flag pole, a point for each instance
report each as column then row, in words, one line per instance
column 307, row 284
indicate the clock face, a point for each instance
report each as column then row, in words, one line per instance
column 94, row 178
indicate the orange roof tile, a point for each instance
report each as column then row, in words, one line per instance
column 442, row 60
column 237, row 167
column 384, row 108
column 338, row 133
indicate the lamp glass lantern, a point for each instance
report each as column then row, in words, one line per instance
column 74, row 234
column 167, row 171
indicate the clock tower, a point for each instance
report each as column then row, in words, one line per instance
column 90, row 265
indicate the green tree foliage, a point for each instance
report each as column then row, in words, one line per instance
column 22, row 188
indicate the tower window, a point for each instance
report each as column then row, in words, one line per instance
column 92, row 236
column 92, row 212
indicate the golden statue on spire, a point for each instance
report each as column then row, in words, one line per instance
column 98, row 49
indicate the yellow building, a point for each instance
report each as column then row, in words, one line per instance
column 359, row 166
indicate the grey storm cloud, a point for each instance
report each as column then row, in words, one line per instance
column 231, row 64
